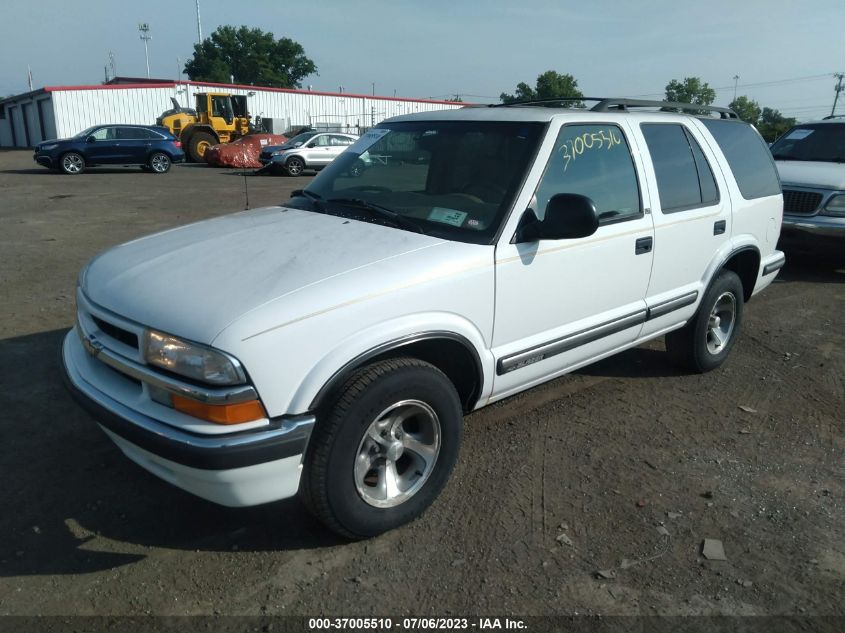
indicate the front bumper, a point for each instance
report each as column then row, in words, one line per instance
column 821, row 225
column 43, row 159
column 233, row 469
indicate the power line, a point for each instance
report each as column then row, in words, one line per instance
column 775, row 82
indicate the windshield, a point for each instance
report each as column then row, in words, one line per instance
column 824, row 142
column 86, row 132
column 299, row 138
column 451, row 179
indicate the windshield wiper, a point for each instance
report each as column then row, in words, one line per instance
column 316, row 199
column 305, row 194
column 397, row 218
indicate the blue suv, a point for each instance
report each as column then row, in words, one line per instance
column 153, row 148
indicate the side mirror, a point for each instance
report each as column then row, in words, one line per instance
column 90, row 139
column 568, row 216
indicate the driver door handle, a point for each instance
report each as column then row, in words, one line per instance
column 643, row 245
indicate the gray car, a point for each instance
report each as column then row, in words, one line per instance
column 811, row 160
column 309, row 150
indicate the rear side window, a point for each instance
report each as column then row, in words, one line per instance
column 135, row 134
column 684, row 178
column 748, row 156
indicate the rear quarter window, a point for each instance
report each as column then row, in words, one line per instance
column 748, row 157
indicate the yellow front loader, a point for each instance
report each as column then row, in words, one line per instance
column 219, row 117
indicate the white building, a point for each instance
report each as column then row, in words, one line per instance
column 62, row 111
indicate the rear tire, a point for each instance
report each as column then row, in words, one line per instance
column 383, row 452
column 705, row 342
column 159, row 163
column 72, row 163
column 295, row 166
column 200, row 141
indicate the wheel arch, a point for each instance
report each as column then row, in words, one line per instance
column 188, row 132
column 156, row 150
column 745, row 262
column 451, row 353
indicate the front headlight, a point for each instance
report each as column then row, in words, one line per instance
column 44, row 148
column 191, row 360
column 835, row 207
column 279, row 152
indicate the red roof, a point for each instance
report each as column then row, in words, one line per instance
column 173, row 84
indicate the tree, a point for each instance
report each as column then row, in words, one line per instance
column 747, row 109
column 691, row 90
column 549, row 85
column 455, row 99
column 251, row 56
column 772, row 124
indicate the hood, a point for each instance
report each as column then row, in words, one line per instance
column 276, row 148
column 195, row 280
column 53, row 140
column 812, row 174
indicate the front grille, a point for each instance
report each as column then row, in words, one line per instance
column 800, row 202
column 117, row 333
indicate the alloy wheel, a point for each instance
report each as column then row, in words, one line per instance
column 721, row 323
column 397, row 454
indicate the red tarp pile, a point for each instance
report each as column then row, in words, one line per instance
column 243, row 152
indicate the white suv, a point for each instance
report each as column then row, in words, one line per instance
column 331, row 346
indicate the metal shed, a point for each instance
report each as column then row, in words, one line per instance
column 62, row 111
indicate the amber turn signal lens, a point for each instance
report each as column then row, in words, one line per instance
column 220, row 413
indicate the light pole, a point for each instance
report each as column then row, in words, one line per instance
column 199, row 24
column 736, row 79
column 145, row 35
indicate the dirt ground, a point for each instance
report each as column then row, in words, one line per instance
column 623, row 468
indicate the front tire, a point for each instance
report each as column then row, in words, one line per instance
column 705, row 342
column 381, row 455
column 199, row 143
column 72, row 163
column 295, row 166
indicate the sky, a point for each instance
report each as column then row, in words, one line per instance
column 785, row 53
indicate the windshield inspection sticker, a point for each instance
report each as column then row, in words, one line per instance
column 447, row 216
column 799, row 134
column 367, row 140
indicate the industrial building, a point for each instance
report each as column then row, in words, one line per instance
column 62, row 111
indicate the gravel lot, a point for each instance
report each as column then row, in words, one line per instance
column 555, row 485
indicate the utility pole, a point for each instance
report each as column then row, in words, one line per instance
column 374, row 91
column 838, row 89
column 736, row 79
column 199, row 24
column 145, row 35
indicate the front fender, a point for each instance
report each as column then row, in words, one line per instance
column 377, row 339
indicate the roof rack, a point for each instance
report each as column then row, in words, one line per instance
column 608, row 104
column 834, row 116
